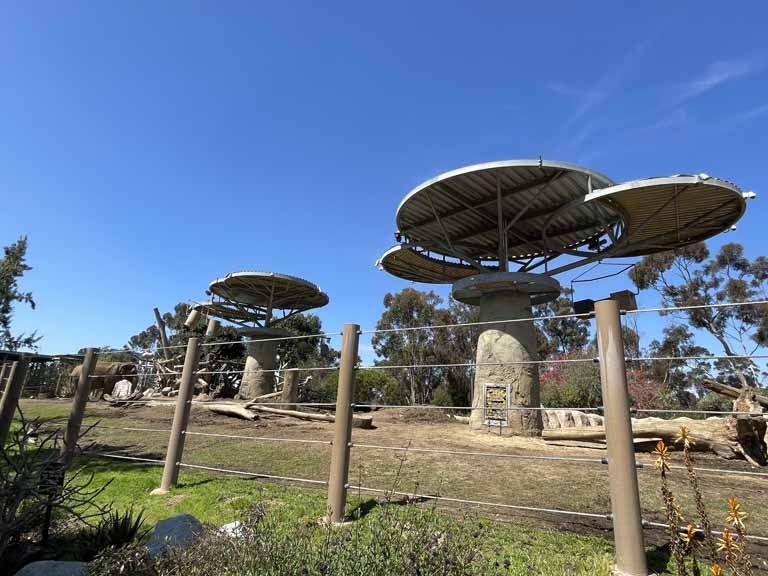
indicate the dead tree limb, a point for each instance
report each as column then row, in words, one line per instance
column 732, row 392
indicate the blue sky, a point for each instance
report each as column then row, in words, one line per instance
column 282, row 136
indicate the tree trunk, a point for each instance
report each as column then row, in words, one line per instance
column 730, row 438
column 290, row 393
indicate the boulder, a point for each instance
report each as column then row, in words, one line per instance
column 232, row 529
column 53, row 568
column 122, row 389
column 177, row 531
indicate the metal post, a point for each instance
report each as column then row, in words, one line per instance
column 625, row 494
column 180, row 420
column 10, row 401
column 345, row 394
column 75, row 421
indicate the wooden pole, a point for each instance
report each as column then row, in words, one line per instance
column 180, row 420
column 345, row 394
column 11, row 395
column 75, row 421
column 622, row 472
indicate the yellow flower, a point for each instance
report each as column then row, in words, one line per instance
column 690, row 535
column 726, row 542
column 735, row 514
column 685, row 437
column 716, row 570
column 662, row 456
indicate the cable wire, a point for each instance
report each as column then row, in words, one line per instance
column 254, row 474
column 481, row 503
column 265, row 438
column 717, row 532
column 484, row 454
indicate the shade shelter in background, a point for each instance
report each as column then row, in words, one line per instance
column 500, row 232
column 257, row 302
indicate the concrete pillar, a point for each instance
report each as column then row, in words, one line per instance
column 261, row 357
column 507, row 342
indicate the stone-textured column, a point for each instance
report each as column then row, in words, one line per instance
column 261, row 357
column 508, row 342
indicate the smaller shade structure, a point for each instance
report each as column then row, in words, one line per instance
column 257, row 302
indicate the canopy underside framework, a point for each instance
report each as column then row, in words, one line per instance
column 261, row 298
column 524, row 214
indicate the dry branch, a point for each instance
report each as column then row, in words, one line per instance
column 732, row 392
column 232, row 410
column 357, row 421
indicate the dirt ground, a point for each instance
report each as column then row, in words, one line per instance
column 578, row 486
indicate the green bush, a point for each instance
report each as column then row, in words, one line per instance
column 571, row 386
column 442, row 397
column 115, row 530
column 397, row 540
column 371, row 387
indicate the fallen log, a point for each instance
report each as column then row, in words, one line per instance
column 357, row 421
column 232, row 410
column 262, row 398
column 729, row 438
column 732, row 392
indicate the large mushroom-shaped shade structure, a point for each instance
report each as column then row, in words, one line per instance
column 257, row 302
column 500, row 232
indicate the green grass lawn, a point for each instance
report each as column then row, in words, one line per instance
column 218, row 500
column 531, row 543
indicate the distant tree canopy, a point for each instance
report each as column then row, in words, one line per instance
column 300, row 352
column 691, row 276
column 12, row 267
column 411, row 308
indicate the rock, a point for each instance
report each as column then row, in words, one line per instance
column 232, row 529
column 177, row 531
column 122, row 390
column 53, row 568
column 165, row 391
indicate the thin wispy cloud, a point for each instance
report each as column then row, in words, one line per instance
column 735, row 120
column 677, row 117
column 717, row 73
column 588, row 99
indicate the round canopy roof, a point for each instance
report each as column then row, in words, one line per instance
column 671, row 212
column 244, row 297
column 465, row 213
column 417, row 266
column 479, row 219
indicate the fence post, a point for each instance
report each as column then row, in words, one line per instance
column 75, row 421
column 11, row 395
column 2, row 374
column 345, row 395
column 622, row 472
column 180, row 420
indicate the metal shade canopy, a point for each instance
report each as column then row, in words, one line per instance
column 666, row 213
column 418, row 266
column 526, row 213
column 253, row 297
column 496, row 211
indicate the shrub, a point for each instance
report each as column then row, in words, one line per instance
column 115, row 530
column 371, row 386
column 571, row 385
column 402, row 540
column 34, row 488
column 442, row 397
